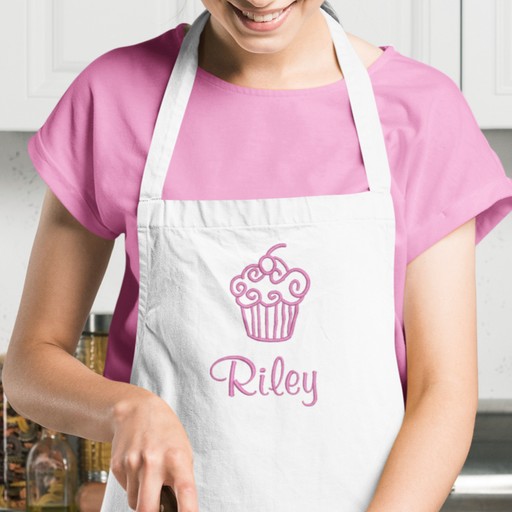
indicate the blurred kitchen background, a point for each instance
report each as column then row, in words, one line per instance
column 44, row 44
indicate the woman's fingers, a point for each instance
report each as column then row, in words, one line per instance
column 133, row 493
column 144, row 491
column 149, row 491
column 150, row 448
column 179, row 465
column 142, row 477
column 125, row 469
column 186, row 494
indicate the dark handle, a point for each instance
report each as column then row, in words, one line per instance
column 168, row 501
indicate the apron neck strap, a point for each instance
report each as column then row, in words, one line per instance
column 179, row 88
column 172, row 111
column 364, row 109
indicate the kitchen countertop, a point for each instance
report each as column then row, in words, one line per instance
column 488, row 468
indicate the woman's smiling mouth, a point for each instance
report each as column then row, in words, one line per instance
column 262, row 21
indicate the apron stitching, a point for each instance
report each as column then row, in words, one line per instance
column 381, row 220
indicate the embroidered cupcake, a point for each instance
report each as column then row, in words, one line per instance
column 269, row 294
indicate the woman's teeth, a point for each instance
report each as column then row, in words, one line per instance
column 260, row 19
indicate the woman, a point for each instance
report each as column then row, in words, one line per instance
column 286, row 225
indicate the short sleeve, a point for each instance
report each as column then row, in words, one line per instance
column 456, row 176
column 62, row 152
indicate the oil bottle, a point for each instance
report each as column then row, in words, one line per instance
column 52, row 475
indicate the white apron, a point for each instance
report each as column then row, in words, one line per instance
column 267, row 325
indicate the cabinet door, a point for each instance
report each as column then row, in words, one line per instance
column 487, row 61
column 425, row 30
column 44, row 44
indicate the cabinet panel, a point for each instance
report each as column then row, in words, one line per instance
column 380, row 23
column 425, row 30
column 487, row 61
column 44, row 44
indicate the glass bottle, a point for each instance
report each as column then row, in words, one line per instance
column 52, row 475
column 94, row 456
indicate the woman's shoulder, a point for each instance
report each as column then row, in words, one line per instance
column 367, row 52
column 140, row 61
column 396, row 74
column 403, row 81
column 407, row 74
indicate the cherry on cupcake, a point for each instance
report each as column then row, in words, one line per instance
column 267, row 263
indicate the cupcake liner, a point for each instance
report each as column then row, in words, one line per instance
column 270, row 323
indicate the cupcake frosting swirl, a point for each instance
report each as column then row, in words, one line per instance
column 270, row 282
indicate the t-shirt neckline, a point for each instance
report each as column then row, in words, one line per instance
column 388, row 52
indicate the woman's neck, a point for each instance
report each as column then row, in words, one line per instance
column 308, row 61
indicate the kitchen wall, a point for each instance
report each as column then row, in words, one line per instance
column 21, row 196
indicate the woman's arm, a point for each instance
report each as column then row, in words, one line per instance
column 44, row 382
column 42, row 379
column 442, row 389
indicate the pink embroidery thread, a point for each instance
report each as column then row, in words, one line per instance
column 292, row 381
column 288, row 287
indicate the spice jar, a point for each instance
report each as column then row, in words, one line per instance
column 18, row 437
column 3, row 504
column 91, row 350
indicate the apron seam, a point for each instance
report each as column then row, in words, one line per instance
column 384, row 220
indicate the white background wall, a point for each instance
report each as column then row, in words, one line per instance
column 21, row 196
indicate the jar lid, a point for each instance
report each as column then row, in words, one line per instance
column 97, row 323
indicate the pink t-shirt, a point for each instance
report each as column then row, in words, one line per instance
column 243, row 143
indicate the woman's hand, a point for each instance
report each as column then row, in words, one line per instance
column 150, row 448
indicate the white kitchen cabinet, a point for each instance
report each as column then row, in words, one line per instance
column 44, row 44
column 487, row 61
column 426, row 30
